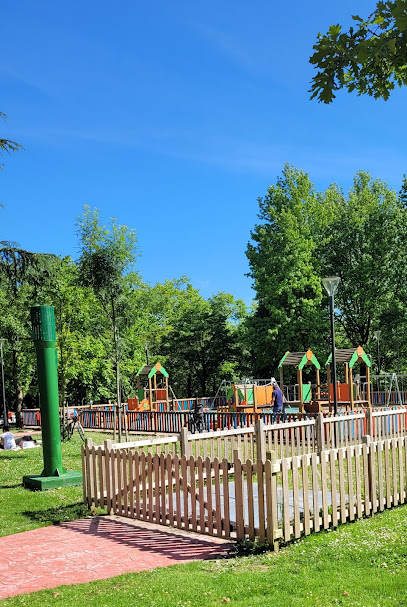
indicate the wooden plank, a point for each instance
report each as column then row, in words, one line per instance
column 136, row 490
column 143, row 470
column 130, row 459
column 156, row 489
column 169, row 475
column 274, row 512
column 218, row 507
column 342, row 492
column 177, row 489
column 108, row 477
column 387, row 473
column 125, row 483
column 372, row 477
column 101, row 469
column 286, row 503
column 84, row 475
column 305, row 494
column 401, row 470
column 380, row 474
column 201, row 497
column 260, row 490
column 334, row 502
column 184, row 471
column 314, row 473
column 226, row 505
column 163, row 492
column 119, row 492
column 239, row 502
column 269, row 501
column 394, row 473
column 212, row 448
column 324, row 489
column 351, row 496
column 366, row 483
column 359, row 510
column 89, row 468
column 208, row 474
column 296, row 498
column 250, row 498
column 150, row 486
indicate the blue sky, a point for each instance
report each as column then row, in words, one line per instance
column 174, row 118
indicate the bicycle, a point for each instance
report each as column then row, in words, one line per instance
column 195, row 423
column 69, row 425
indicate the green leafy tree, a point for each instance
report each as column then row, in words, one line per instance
column 369, row 58
column 107, row 259
column 24, row 278
column 285, row 272
column 365, row 245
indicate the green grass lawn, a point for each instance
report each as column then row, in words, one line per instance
column 21, row 509
column 363, row 563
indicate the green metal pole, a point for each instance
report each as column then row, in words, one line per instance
column 43, row 326
column 54, row 474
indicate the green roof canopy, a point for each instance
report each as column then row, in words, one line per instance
column 350, row 356
column 151, row 370
column 299, row 359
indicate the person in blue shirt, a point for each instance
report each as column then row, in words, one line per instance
column 277, row 398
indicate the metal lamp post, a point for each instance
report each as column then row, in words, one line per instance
column 5, row 420
column 331, row 284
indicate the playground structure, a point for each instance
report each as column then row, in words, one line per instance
column 353, row 391
column 302, row 394
column 245, row 395
column 154, row 394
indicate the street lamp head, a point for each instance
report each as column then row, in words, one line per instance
column 331, row 284
column 376, row 334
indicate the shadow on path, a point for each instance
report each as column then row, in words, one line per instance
column 173, row 545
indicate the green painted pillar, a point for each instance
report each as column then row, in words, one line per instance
column 53, row 474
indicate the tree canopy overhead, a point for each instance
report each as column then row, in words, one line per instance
column 6, row 145
column 370, row 58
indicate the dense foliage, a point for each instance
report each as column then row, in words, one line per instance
column 370, row 57
column 304, row 235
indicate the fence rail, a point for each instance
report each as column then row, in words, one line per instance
column 270, row 500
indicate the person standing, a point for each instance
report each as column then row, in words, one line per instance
column 277, row 398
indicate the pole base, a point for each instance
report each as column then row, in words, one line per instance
column 36, row 482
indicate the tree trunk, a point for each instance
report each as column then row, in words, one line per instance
column 18, row 402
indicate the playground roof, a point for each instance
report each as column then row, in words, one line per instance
column 350, row 356
column 299, row 359
column 151, row 370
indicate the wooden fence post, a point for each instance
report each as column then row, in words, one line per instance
column 239, row 503
column 260, row 440
column 320, row 432
column 184, row 442
column 369, row 423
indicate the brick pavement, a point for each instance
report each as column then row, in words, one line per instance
column 95, row 549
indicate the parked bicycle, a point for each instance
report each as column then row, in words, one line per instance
column 196, row 420
column 70, row 424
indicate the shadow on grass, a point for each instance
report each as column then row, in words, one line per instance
column 59, row 514
column 11, row 486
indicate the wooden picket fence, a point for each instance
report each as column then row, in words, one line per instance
column 288, row 439
column 270, row 500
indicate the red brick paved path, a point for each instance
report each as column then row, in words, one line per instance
column 94, row 549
